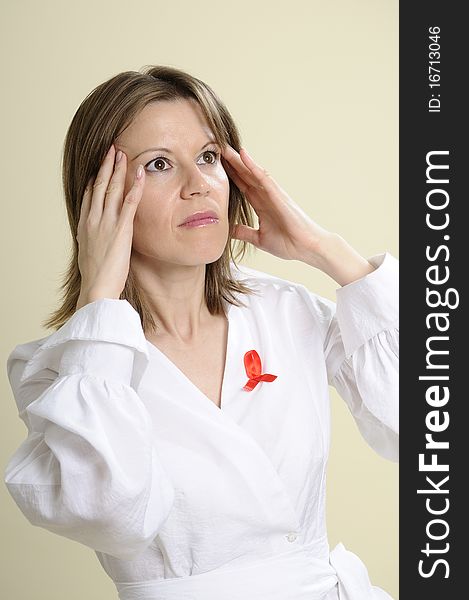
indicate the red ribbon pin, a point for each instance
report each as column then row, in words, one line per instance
column 252, row 364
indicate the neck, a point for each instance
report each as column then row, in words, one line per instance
column 175, row 295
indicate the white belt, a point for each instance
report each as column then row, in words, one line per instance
column 293, row 575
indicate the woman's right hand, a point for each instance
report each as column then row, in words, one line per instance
column 105, row 230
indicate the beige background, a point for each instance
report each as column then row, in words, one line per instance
column 313, row 86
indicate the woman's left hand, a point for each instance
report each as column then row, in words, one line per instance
column 285, row 230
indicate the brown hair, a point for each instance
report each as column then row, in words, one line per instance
column 99, row 120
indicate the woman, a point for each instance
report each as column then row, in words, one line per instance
column 178, row 416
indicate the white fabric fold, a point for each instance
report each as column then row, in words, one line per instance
column 293, row 574
column 105, row 321
column 369, row 305
column 180, row 498
column 352, row 575
column 89, row 469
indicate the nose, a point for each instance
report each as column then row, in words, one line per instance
column 194, row 183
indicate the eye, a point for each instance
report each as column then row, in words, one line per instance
column 160, row 160
column 157, row 161
column 213, row 154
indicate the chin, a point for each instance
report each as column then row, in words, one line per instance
column 204, row 251
column 199, row 257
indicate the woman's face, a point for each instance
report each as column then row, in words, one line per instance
column 185, row 178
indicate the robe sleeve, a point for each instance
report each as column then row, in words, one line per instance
column 360, row 334
column 88, row 469
column 362, row 353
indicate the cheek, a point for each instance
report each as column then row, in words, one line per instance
column 151, row 227
column 155, row 213
column 220, row 183
column 148, row 208
column 222, row 175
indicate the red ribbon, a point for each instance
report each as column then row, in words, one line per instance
column 252, row 364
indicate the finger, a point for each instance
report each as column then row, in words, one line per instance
column 100, row 184
column 252, row 194
column 133, row 197
column 86, row 201
column 85, row 205
column 234, row 160
column 246, row 234
column 242, row 185
column 263, row 178
column 113, row 198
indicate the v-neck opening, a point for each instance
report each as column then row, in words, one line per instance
column 172, row 365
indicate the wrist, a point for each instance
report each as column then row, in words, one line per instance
column 335, row 257
column 86, row 297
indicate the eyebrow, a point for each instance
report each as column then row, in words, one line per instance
column 210, row 142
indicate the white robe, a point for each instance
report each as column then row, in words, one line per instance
column 181, row 499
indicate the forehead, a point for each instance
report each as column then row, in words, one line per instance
column 166, row 122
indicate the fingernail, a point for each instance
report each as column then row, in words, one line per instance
column 118, row 156
column 139, row 172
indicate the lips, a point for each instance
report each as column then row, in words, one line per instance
column 200, row 216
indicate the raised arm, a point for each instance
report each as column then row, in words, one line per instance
column 88, row 469
column 361, row 347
